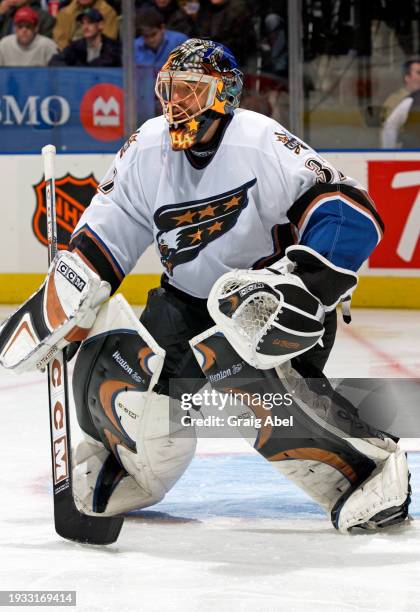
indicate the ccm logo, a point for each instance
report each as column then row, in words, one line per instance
column 58, row 417
column 56, row 375
column 71, row 276
column 60, row 460
column 250, row 288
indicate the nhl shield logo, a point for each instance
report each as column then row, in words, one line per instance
column 73, row 195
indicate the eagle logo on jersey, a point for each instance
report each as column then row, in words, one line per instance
column 73, row 195
column 186, row 229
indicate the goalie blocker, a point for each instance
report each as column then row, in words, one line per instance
column 62, row 311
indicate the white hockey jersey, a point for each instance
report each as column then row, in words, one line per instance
column 204, row 222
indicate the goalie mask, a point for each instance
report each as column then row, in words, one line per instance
column 199, row 83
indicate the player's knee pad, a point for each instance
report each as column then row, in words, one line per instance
column 114, row 376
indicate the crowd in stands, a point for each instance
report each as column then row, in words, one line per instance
column 26, row 46
column 93, row 48
column 88, row 32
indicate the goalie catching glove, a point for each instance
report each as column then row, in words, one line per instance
column 62, row 311
column 270, row 316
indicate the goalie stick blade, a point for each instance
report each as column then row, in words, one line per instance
column 73, row 525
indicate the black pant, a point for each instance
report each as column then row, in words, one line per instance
column 173, row 317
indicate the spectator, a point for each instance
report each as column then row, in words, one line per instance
column 229, row 22
column 411, row 77
column 68, row 28
column 402, row 128
column 179, row 16
column 93, row 49
column 26, row 47
column 275, row 45
column 8, row 9
column 116, row 5
column 154, row 45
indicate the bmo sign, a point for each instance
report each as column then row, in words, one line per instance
column 395, row 189
column 34, row 110
column 79, row 110
column 102, row 112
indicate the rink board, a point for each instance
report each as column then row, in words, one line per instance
column 391, row 278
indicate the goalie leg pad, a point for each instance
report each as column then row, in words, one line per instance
column 115, row 372
column 101, row 485
column 321, row 454
column 380, row 501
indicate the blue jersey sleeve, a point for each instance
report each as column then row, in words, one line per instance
column 339, row 222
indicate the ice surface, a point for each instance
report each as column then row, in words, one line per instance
column 232, row 535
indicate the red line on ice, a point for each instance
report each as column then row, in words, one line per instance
column 25, row 384
column 390, row 362
column 43, row 381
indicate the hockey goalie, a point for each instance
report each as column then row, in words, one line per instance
column 260, row 239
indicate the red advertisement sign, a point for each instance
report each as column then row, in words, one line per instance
column 395, row 189
column 102, row 112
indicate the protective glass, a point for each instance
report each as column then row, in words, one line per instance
column 185, row 95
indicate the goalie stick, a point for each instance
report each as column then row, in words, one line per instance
column 69, row 522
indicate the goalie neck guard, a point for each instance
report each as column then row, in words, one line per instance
column 199, row 83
